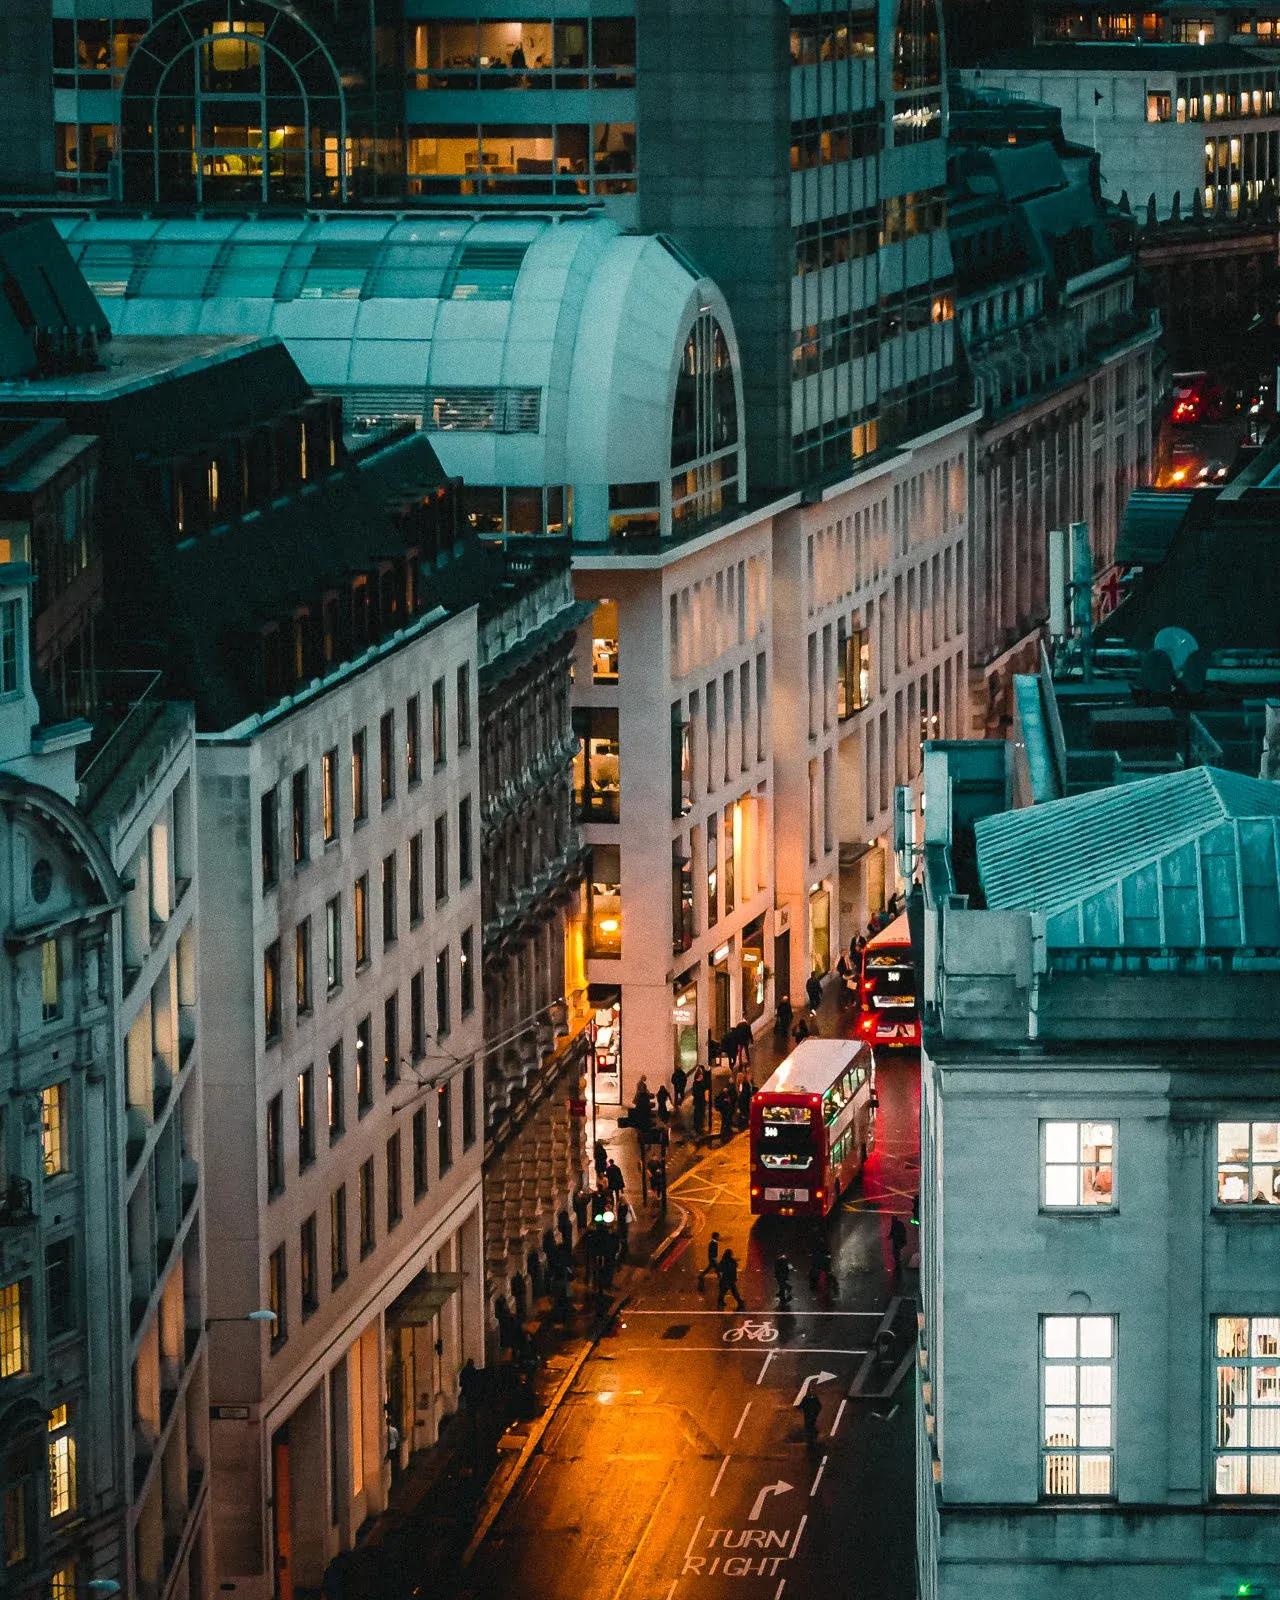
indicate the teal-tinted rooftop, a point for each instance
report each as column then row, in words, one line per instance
column 536, row 348
column 1183, row 861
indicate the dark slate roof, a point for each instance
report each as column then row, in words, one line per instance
column 1220, row 579
column 1183, row 861
column 167, row 395
column 41, row 291
column 1082, row 56
column 1023, row 171
column 1151, row 519
column 199, row 601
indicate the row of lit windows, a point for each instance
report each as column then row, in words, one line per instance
column 833, row 35
column 1077, row 1392
column 526, row 158
column 840, row 136
column 1194, row 103
column 567, row 53
column 1079, row 1160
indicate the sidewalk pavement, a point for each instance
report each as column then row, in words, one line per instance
column 442, row 1503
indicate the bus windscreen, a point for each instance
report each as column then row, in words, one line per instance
column 890, row 979
column 786, row 1138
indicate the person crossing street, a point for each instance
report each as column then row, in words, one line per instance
column 728, row 1276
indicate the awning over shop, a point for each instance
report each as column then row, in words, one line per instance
column 424, row 1297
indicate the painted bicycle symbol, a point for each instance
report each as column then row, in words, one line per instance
column 755, row 1332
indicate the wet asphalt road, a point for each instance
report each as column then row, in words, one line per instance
column 677, row 1467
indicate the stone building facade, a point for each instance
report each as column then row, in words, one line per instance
column 531, row 864
column 1104, row 1020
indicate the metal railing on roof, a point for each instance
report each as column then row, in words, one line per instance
column 136, row 710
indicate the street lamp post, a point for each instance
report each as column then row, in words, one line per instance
column 261, row 1315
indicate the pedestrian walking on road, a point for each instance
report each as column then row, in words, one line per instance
column 728, row 1275
column 664, row 1105
column 813, row 990
column 782, row 1272
column 679, row 1083
column 616, row 1183
column 713, row 1259
column 810, row 1406
column 897, row 1242
column 600, row 1156
column 626, row 1216
column 782, row 1017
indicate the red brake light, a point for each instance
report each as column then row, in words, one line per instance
column 817, row 1194
column 815, row 1099
column 754, row 1190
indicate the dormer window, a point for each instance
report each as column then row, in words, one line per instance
column 359, row 613
column 330, row 630
column 10, row 637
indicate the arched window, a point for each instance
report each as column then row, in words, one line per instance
column 704, row 425
column 917, row 73
column 236, row 101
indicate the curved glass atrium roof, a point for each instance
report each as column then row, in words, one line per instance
column 538, row 351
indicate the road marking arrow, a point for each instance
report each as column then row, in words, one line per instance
column 814, row 1377
column 781, row 1487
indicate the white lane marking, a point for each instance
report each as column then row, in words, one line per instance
column 635, row 1554
column 795, row 1543
column 764, row 1368
column 781, row 1487
column 777, row 1593
column 750, row 1349
column 742, row 1419
column 693, row 1537
column 839, row 1414
column 677, row 1313
column 719, row 1475
column 813, row 1378
column 822, row 1467
column 675, row 1581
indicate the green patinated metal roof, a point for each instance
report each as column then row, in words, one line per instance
column 1182, row 861
column 1151, row 519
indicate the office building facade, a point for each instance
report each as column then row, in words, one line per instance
column 1104, row 1017
column 809, row 187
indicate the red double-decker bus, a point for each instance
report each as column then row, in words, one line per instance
column 888, row 1015
column 811, row 1128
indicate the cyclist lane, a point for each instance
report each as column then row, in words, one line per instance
column 678, row 1467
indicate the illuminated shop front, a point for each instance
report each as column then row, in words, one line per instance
column 684, row 1019
column 606, row 1047
column 820, row 928
column 755, row 975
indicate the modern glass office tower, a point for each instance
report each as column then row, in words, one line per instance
column 795, row 153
